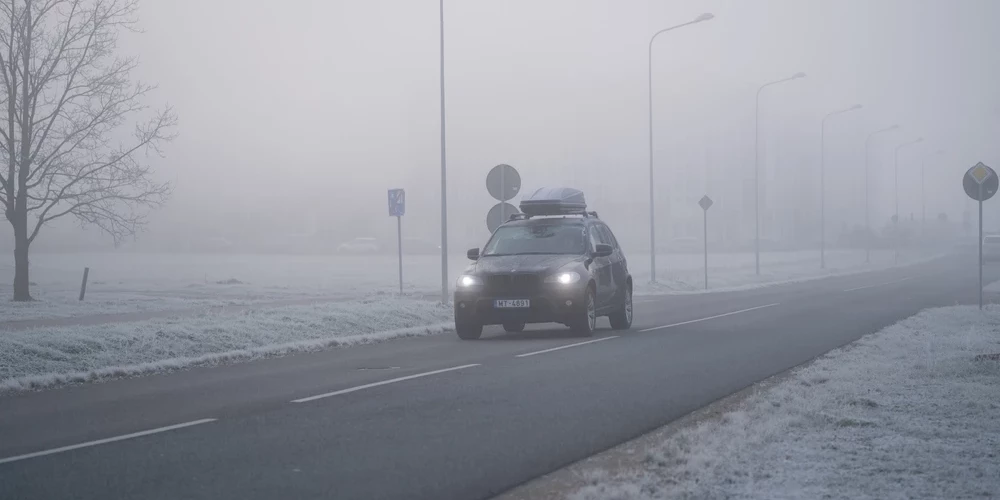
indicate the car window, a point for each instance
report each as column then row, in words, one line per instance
column 537, row 239
column 607, row 236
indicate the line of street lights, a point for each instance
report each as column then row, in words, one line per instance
column 822, row 182
column 895, row 182
column 923, row 197
column 652, row 226
column 652, row 217
column 868, row 225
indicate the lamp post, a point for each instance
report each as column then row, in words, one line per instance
column 756, row 165
column 444, row 178
column 822, row 183
column 923, row 198
column 652, row 217
column 868, row 226
column 895, row 181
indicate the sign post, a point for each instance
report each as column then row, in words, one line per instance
column 705, row 203
column 397, row 207
column 503, row 183
column 980, row 183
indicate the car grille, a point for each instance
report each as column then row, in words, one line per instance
column 512, row 284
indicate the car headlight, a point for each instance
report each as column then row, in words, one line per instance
column 467, row 281
column 563, row 278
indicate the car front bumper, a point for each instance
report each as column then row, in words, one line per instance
column 550, row 304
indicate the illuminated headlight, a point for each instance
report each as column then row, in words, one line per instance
column 563, row 278
column 467, row 281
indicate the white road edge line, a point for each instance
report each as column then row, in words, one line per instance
column 708, row 318
column 105, row 441
column 877, row 285
column 602, row 339
column 384, row 382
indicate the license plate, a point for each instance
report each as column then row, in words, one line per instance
column 512, row 304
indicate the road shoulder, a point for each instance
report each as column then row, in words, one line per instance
column 902, row 411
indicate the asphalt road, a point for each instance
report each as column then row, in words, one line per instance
column 436, row 417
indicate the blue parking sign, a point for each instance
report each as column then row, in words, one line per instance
column 397, row 202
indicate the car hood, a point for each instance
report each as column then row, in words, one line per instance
column 523, row 263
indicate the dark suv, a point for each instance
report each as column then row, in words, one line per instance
column 566, row 268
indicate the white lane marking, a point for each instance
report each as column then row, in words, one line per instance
column 384, row 382
column 105, row 441
column 708, row 318
column 879, row 284
column 602, row 339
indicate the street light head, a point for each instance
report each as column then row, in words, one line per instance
column 919, row 139
column 856, row 107
column 894, row 127
column 799, row 75
column 708, row 16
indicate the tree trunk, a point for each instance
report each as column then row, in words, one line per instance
column 22, row 286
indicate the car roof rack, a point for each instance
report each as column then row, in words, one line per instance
column 583, row 213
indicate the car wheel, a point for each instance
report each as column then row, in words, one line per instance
column 622, row 319
column 513, row 327
column 585, row 325
column 467, row 331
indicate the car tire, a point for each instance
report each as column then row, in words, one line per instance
column 586, row 323
column 513, row 327
column 468, row 331
column 622, row 318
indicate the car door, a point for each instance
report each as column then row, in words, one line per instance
column 601, row 268
column 619, row 266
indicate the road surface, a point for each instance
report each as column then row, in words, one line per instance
column 436, row 417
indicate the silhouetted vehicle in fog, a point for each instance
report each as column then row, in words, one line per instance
column 361, row 245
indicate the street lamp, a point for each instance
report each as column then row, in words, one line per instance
column 444, row 178
column 652, row 226
column 895, row 181
column 756, row 164
column 923, row 198
column 868, row 226
column 822, row 183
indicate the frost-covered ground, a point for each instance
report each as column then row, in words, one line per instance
column 129, row 282
column 44, row 357
column 908, row 412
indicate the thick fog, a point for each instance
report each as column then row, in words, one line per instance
column 296, row 116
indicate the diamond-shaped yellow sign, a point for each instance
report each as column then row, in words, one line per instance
column 980, row 173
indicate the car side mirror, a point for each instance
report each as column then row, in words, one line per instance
column 602, row 250
column 473, row 254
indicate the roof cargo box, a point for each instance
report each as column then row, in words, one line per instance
column 554, row 201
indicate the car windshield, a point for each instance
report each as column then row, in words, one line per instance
column 537, row 239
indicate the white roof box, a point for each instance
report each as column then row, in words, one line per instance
column 554, row 201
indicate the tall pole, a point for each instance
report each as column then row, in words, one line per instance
column 756, row 166
column 399, row 248
column 980, row 245
column 822, row 194
column 652, row 193
column 868, row 225
column 444, row 179
column 822, row 183
column 895, row 177
column 923, row 200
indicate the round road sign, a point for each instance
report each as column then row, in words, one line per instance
column 503, row 182
column 980, row 182
column 499, row 214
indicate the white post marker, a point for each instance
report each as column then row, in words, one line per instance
column 980, row 183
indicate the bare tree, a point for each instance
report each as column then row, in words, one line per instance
column 66, row 95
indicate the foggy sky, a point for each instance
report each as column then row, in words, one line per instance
column 296, row 116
